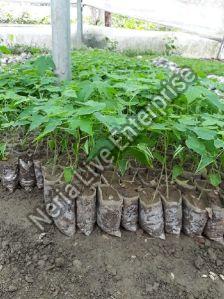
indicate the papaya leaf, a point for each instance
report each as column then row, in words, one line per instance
column 204, row 162
column 176, row 171
column 215, row 179
column 68, row 174
column 196, row 145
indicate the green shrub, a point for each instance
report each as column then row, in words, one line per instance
column 79, row 116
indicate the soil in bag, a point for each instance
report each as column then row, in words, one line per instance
column 148, row 178
column 185, row 183
column 151, row 213
column 86, row 177
column 110, row 177
column 86, row 210
column 53, row 183
column 203, row 185
column 131, row 178
column 109, row 210
column 59, row 204
column 214, row 229
column 172, row 206
column 195, row 215
column 130, row 212
column 27, row 179
column 10, row 176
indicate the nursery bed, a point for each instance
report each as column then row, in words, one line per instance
column 70, row 122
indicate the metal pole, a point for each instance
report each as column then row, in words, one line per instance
column 221, row 49
column 61, row 37
column 108, row 19
column 79, row 24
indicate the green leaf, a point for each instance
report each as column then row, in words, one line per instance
column 178, row 150
column 69, row 93
column 90, row 107
column 211, row 120
column 196, row 92
column 111, row 121
column 2, row 150
column 205, row 133
column 180, row 127
column 123, row 165
column 85, row 125
column 188, row 120
column 141, row 153
column 86, row 147
column 159, row 157
column 52, row 89
column 196, row 145
column 68, row 174
column 37, row 121
column 104, row 89
column 204, row 162
column 213, row 99
column 145, row 149
column 193, row 93
column 219, row 143
column 176, row 171
column 50, row 127
column 215, row 179
column 160, row 127
column 4, row 50
column 87, row 89
column 101, row 143
column 11, row 37
column 51, row 144
column 43, row 63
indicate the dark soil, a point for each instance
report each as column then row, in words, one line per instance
column 128, row 189
column 109, row 194
column 173, row 195
column 50, row 265
column 89, row 192
column 149, row 197
column 196, row 201
column 110, row 177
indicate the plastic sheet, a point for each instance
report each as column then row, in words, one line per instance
column 151, row 213
column 194, row 218
column 58, row 204
column 130, row 214
column 214, row 229
column 172, row 210
column 10, row 177
column 129, row 192
column 86, row 211
column 109, row 210
column 27, row 177
column 204, row 18
column 65, row 219
column 38, row 174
